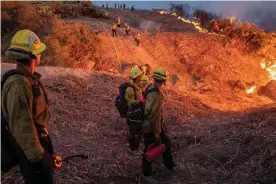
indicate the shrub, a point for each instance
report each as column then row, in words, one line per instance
column 248, row 33
column 252, row 36
column 25, row 15
column 203, row 17
column 77, row 8
column 69, row 43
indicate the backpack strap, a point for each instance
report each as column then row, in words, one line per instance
column 3, row 80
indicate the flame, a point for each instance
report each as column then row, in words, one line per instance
column 174, row 14
column 271, row 69
column 196, row 24
column 164, row 12
column 251, row 90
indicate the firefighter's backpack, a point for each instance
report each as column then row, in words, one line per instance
column 120, row 102
column 135, row 113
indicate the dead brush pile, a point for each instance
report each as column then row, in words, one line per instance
column 248, row 33
column 256, row 39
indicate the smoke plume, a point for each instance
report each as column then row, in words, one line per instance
column 261, row 13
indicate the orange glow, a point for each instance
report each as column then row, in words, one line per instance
column 251, row 90
column 196, row 24
column 270, row 68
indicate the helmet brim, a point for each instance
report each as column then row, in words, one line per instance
column 35, row 52
column 40, row 50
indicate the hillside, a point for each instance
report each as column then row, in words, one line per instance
column 202, row 65
column 225, row 134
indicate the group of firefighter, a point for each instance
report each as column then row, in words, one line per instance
column 120, row 6
column 149, row 95
column 25, row 114
column 127, row 28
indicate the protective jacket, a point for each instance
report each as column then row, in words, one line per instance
column 113, row 27
column 137, row 37
column 127, row 28
column 25, row 108
column 153, row 112
column 133, row 94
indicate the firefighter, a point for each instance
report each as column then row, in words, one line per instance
column 135, row 78
column 215, row 28
column 137, row 39
column 25, row 108
column 127, row 29
column 119, row 22
column 153, row 128
column 131, row 95
column 113, row 28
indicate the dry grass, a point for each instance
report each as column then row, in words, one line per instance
column 84, row 120
column 252, row 36
column 69, row 43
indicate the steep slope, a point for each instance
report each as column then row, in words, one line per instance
column 198, row 64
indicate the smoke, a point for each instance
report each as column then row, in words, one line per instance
column 149, row 25
column 261, row 13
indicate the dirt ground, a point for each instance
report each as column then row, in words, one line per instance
column 214, row 146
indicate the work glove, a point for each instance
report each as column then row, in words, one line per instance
column 157, row 140
column 45, row 164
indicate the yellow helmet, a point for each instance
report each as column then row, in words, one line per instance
column 135, row 72
column 145, row 79
column 28, row 41
column 160, row 74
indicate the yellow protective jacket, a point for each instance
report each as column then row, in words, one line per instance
column 25, row 108
column 153, row 112
column 133, row 94
column 113, row 27
column 127, row 28
column 137, row 37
